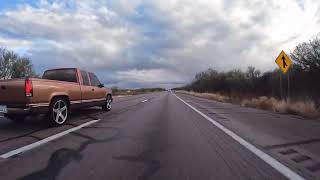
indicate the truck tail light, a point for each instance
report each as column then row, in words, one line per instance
column 28, row 88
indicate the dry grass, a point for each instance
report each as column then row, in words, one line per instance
column 303, row 108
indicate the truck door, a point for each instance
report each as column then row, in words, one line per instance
column 99, row 93
column 86, row 88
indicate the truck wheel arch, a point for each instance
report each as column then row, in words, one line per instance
column 62, row 96
column 109, row 94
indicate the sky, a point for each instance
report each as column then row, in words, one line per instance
column 155, row 43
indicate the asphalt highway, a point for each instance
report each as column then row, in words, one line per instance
column 161, row 136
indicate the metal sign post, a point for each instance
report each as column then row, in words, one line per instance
column 281, row 94
column 288, row 95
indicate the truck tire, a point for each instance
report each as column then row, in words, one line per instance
column 108, row 105
column 16, row 118
column 58, row 112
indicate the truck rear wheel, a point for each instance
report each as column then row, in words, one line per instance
column 58, row 112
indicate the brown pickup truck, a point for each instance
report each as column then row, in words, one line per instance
column 55, row 94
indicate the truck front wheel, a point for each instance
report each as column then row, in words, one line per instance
column 58, row 112
column 108, row 105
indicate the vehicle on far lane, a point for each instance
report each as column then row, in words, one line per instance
column 55, row 94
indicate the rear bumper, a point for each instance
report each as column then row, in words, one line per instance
column 27, row 110
column 20, row 111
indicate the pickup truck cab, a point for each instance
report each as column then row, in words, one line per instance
column 55, row 94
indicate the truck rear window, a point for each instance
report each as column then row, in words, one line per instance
column 68, row 75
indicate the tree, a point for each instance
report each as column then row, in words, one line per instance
column 307, row 55
column 306, row 73
column 252, row 73
column 14, row 66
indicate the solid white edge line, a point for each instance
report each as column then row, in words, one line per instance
column 284, row 170
column 46, row 140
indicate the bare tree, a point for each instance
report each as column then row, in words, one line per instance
column 7, row 59
column 22, row 68
column 307, row 55
column 252, row 73
column 13, row 66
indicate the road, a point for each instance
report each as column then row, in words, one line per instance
column 158, row 136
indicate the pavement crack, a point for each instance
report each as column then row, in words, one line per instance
column 62, row 157
column 21, row 136
column 152, row 165
column 58, row 160
column 35, row 137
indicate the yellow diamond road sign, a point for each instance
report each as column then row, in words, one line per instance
column 284, row 62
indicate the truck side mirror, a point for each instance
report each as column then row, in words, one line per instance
column 100, row 85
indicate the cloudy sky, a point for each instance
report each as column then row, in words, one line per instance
column 146, row 43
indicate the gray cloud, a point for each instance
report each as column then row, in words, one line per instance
column 156, row 43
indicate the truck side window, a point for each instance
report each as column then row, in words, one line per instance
column 94, row 80
column 85, row 78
